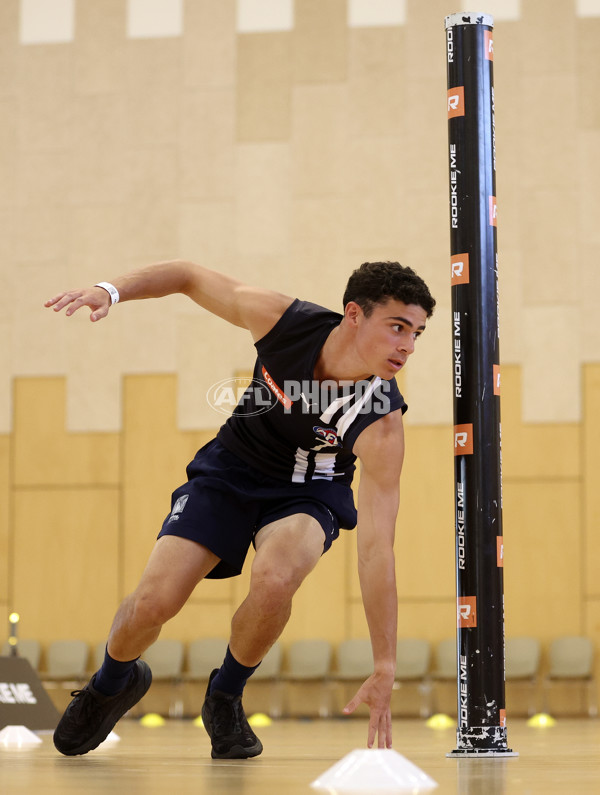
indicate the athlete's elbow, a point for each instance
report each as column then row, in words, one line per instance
column 187, row 276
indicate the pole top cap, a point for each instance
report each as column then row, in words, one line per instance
column 469, row 18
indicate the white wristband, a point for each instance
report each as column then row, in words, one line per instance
column 111, row 290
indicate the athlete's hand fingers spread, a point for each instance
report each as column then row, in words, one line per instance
column 71, row 299
column 388, row 733
column 377, row 697
column 384, row 730
column 96, row 298
column 351, row 705
column 100, row 312
column 54, row 301
column 372, row 733
column 380, row 727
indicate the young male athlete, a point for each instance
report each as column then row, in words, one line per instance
column 277, row 475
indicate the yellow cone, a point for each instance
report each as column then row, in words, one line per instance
column 152, row 720
column 259, row 719
column 440, row 721
column 542, row 719
column 198, row 721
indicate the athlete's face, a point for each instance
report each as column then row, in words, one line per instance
column 386, row 338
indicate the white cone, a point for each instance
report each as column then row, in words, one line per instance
column 18, row 737
column 376, row 770
column 113, row 737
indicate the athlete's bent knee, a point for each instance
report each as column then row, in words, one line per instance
column 274, row 587
column 152, row 611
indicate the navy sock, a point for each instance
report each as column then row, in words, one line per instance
column 232, row 676
column 113, row 675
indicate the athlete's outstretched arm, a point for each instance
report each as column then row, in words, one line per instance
column 380, row 448
column 251, row 308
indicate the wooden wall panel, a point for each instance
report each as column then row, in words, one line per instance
column 5, row 500
column 44, row 85
column 317, row 149
column 320, row 604
column 590, row 435
column 320, row 41
column 88, row 508
column 99, row 174
column 591, row 462
column 9, row 47
column 44, row 454
column 540, row 450
column 155, row 455
column 151, row 227
column 263, row 209
column 78, row 136
column 377, row 81
column 66, row 562
column 425, row 527
column 550, row 44
column 153, row 78
column 100, row 31
column 588, row 73
column 591, row 628
column 424, row 546
column 374, row 217
column 199, row 620
column 320, row 147
column 264, row 81
column 433, row 619
column 356, row 621
column 241, row 584
column 207, row 148
column 543, row 564
column 209, row 42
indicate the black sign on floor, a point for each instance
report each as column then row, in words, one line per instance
column 23, row 700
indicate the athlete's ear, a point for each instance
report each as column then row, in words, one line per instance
column 352, row 312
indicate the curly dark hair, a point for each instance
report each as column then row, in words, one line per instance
column 374, row 282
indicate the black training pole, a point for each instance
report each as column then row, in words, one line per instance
column 481, row 727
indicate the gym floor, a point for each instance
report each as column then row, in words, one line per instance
column 175, row 757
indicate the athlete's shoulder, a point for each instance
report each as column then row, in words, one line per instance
column 299, row 319
column 381, row 443
column 261, row 310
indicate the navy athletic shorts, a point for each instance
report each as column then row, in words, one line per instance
column 226, row 502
